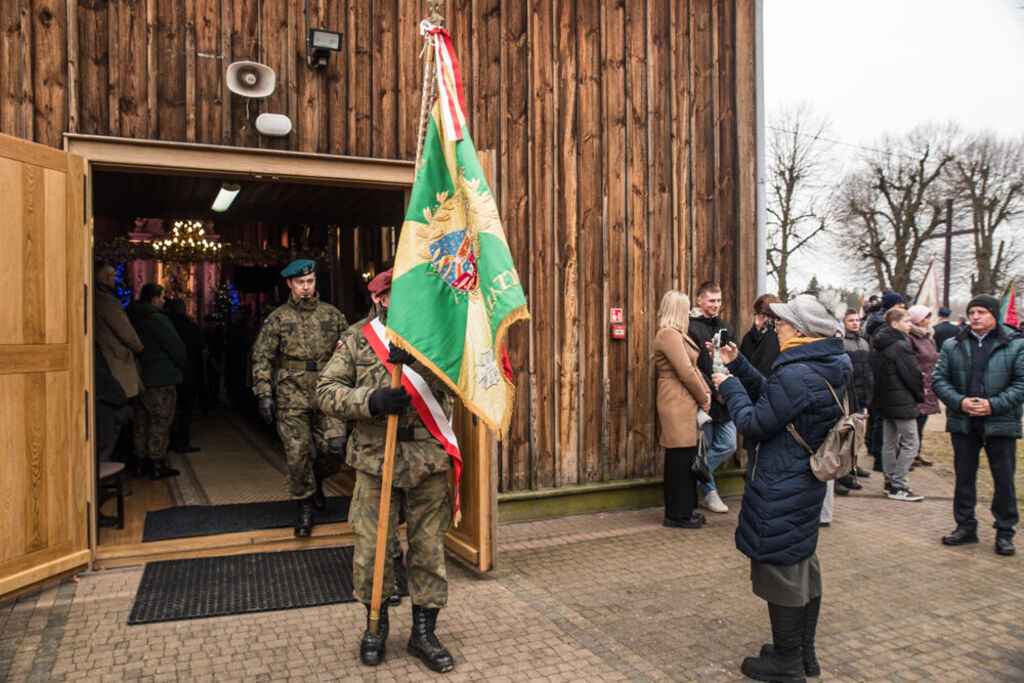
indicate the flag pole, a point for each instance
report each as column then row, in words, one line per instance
column 385, row 507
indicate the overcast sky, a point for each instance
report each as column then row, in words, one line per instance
column 877, row 66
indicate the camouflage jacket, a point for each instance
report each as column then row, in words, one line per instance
column 344, row 388
column 296, row 333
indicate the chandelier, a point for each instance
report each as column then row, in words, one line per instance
column 187, row 242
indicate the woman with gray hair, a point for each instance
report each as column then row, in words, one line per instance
column 681, row 390
column 778, row 523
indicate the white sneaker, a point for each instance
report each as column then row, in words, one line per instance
column 905, row 495
column 713, row 502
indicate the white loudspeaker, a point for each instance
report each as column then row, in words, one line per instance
column 250, row 79
column 274, row 125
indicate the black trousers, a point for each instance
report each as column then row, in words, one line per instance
column 181, row 430
column 680, row 484
column 1002, row 460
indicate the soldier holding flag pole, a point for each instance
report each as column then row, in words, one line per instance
column 447, row 304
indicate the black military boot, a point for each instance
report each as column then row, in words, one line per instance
column 395, row 599
column 319, row 502
column 424, row 644
column 304, row 525
column 785, row 661
column 371, row 647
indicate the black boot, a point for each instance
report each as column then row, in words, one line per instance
column 784, row 662
column 424, row 644
column 162, row 471
column 319, row 502
column 811, row 666
column 371, row 647
column 395, row 599
column 304, row 525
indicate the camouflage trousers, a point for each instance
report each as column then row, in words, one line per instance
column 428, row 517
column 305, row 447
column 151, row 430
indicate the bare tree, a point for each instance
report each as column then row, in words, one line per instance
column 988, row 176
column 797, row 202
column 889, row 206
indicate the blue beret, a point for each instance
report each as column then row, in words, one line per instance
column 299, row 268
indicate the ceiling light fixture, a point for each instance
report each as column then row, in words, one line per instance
column 226, row 195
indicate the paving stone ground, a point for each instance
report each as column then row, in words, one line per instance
column 609, row 596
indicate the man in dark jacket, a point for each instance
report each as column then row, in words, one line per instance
column 195, row 346
column 980, row 378
column 719, row 433
column 943, row 328
column 899, row 387
column 862, row 382
column 163, row 360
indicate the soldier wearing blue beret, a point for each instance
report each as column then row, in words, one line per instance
column 295, row 343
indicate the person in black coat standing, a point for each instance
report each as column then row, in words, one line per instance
column 899, row 387
column 195, row 346
column 720, row 433
column 943, row 328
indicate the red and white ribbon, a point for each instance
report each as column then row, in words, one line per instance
column 427, row 407
column 449, row 80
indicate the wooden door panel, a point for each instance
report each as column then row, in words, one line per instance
column 473, row 540
column 46, row 468
column 34, row 232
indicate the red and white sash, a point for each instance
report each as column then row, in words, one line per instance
column 427, row 407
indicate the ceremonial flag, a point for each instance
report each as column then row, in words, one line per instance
column 1009, row 308
column 928, row 292
column 455, row 290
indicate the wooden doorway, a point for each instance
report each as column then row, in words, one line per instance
column 46, row 473
column 473, row 541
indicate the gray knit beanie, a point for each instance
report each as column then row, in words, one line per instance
column 807, row 315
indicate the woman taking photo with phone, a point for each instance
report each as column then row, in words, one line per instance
column 778, row 524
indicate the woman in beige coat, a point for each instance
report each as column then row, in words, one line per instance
column 681, row 391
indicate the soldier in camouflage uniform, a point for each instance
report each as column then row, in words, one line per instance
column 355, row 385
column 294, row 344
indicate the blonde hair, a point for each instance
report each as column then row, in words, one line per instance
column 894, row 315
column 674, row 311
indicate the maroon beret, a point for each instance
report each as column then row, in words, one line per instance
column 381, row 283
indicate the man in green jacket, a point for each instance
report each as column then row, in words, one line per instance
column 980, row 378
column 163, row 360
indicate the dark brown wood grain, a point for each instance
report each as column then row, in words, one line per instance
column 516, row 452
column 49, row 71
column 614, row 94
column 385, row 80
column 593, row 335
column 639, row 421
column 726, row 164
column 702, row 126
column 542, row 286
column 567, row 316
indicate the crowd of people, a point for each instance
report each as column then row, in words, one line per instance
column 784, row 388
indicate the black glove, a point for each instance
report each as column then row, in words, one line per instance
column 336, row 446
column 390, row 401
column 267, row 407
column 400, row 356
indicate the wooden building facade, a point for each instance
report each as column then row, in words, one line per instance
column 623, row 134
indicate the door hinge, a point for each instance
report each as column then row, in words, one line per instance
column 85, row 307
column 87, row 416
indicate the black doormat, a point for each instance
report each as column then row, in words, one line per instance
column 206, row 520
column 242, row 584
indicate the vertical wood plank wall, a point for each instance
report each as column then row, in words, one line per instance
column 625, row 140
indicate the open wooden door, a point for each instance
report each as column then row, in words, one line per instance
column 46, row 474
column 473, row 539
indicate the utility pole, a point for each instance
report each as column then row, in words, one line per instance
column 948, row 235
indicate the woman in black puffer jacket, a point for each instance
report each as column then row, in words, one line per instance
column 778, row 525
